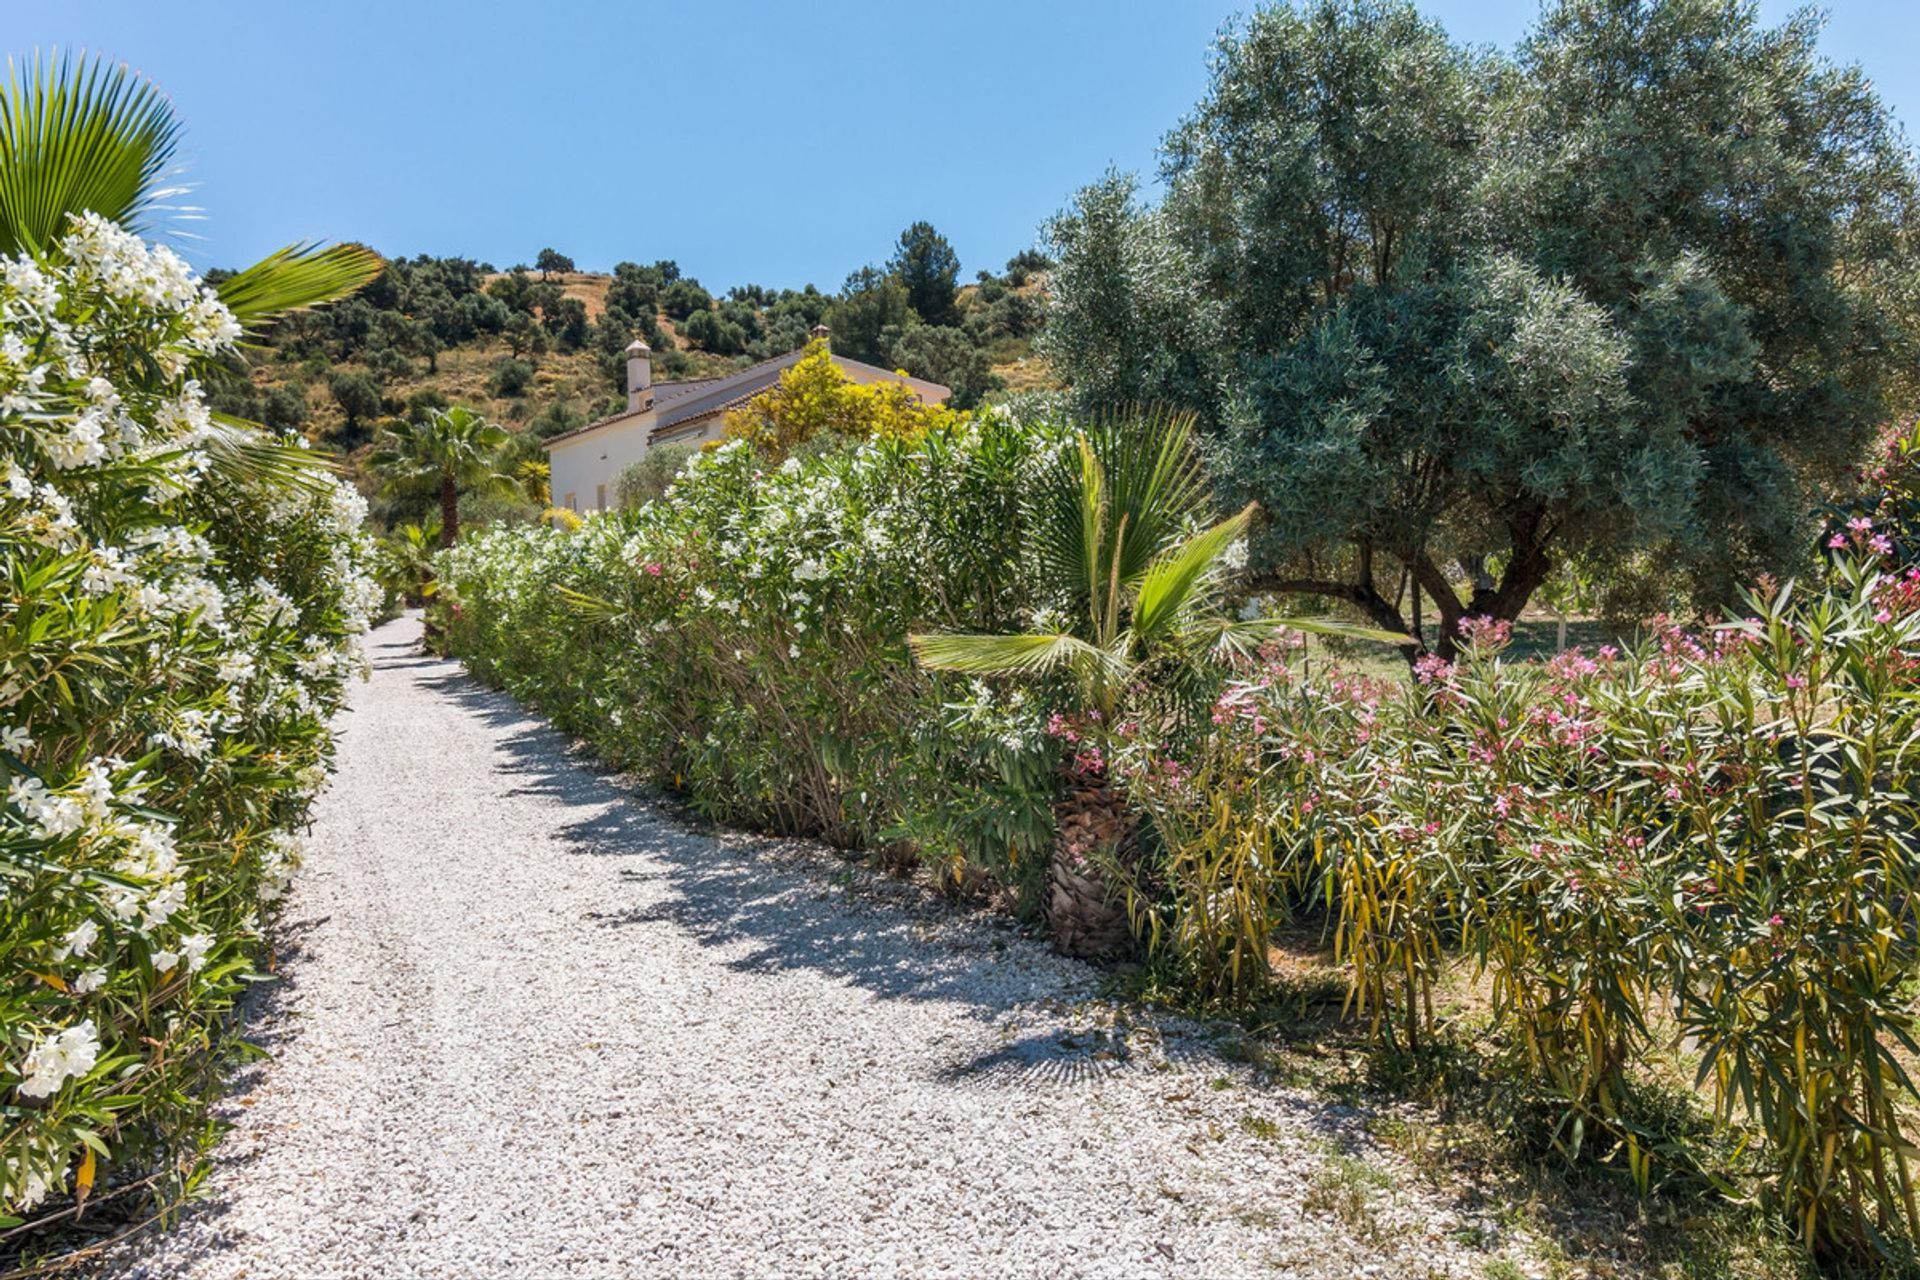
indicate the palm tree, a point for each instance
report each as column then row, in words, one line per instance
column 1111, row 533
column 406, row 561
column 449, row 452
column 535, row 478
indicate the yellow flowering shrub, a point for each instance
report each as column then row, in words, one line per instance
column 814, row 397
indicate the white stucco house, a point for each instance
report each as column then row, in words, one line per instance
column 586, row 461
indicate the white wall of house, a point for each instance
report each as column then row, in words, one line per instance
column 585, row 467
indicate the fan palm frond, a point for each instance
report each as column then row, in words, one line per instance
column 79, row 135
column 457, row 443
column 247, row 453
column 589, row 608
column 1246, row 635
column 1009, row 655
column 1170, row 582
column 1151, row 489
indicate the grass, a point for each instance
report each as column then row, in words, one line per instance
column 1534, row 637
column 1347, row 1189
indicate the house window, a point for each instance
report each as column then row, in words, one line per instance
column 600, row 497
column 571, row 503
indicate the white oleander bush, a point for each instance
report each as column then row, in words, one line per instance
column 184, row 601
column 743, row 640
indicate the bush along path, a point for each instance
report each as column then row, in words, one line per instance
column 528, row 1024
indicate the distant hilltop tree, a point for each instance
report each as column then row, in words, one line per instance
column 927, row 265
column 551, row 262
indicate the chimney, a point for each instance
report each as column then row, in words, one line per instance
column 639, row 376
column 821, row 334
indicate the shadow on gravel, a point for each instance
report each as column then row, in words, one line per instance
column 728, row 892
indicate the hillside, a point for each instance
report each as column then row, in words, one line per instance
column 540, row 353
column 562, row 384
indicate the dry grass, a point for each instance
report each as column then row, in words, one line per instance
column 1033, row 373
column 588, row 286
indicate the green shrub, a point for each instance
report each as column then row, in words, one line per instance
column 748, row 641
column 645, row 480
column 510, row 378
column 183, row 604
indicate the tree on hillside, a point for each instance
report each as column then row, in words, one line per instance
column 1454, row 319
column 552, row 262
column 684, row 297
column 566, row 323
column 358, row 398
column 948, row 356
column 869, row 315
column 1022, row 265
column 514, row 290
column 928, row 267
column 635, row 289
column 712, row 331
column 284, row 408
column 450, row 452
column 525, row 336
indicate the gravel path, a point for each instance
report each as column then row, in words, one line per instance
column 532, row 1027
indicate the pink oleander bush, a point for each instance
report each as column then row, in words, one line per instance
column 1705, row 842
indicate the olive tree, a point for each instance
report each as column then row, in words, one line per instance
column 1454, row 318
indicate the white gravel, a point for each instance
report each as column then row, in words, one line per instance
column 532, row 1026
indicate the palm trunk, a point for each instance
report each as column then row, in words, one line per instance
column 449, row 511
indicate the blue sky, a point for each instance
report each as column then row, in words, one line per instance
column 774, row 142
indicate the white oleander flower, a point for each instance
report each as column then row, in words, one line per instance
column 35, row 1183
column 162, row 904
column 79, row 940
column 59, row 1058
column 51, row 816
column 194, row 948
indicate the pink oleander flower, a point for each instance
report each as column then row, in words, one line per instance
column 1838, row 542
column 1860, row 524
column 652, row 568
column 1796, row 682
column 1881, row 544
column 1490, row 632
